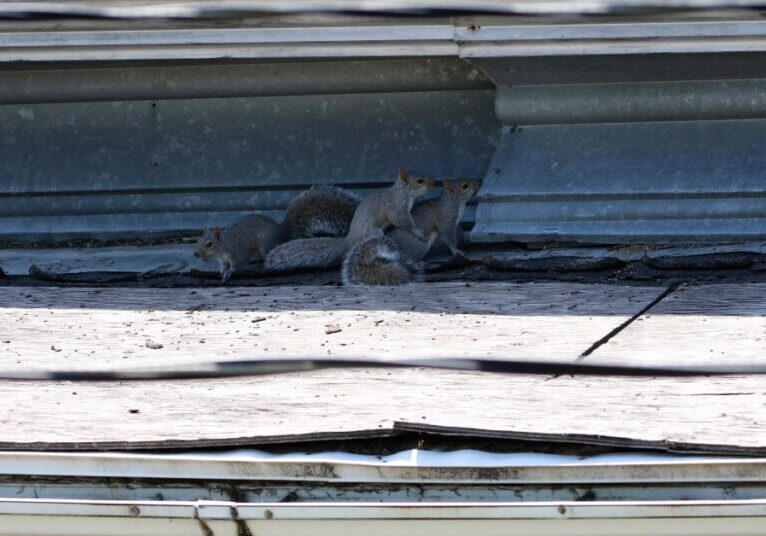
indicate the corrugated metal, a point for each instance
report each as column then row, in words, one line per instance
column 128, row 168
column 618, row 132
column 169, row 127
column 694, row 181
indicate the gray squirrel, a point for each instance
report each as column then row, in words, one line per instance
column 392, row 260
column 320, row 210
column 437, row 219
column 379, row 210
column 377, row 262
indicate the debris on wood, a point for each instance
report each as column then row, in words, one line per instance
column 554, row 264
column 332, row 328
column 153, row 345
column 709, row 261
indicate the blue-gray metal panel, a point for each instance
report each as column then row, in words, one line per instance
column 631, row 182
column 620, row 103
column 120, row 169
column 89, row 83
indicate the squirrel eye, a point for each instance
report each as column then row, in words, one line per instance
column 420, row 181
column 209, row 244
column 465, row 186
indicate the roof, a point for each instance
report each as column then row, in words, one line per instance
column 49, row 327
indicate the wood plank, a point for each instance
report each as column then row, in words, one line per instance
column 179, row 258
column 722, row 415
column 696, row 414
column 699, row 325
column 65, row 328
column 169, row 258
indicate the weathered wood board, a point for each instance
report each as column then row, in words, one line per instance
column 695, row 325
column 678, row 414
column 167, row 258
column 179, row 257
column 109, row 327
column 65, row 328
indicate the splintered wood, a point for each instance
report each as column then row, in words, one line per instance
column 67, row 328
column 91, row 328
column 702, row 325
column 686, row 414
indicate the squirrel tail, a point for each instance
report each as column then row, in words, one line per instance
column 304, row 253
column 377, row 262
column 321, row 211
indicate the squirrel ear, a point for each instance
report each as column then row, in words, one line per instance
column 448, row 185
column 217, row 233
column 404, row 176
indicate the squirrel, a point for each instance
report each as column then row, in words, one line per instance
column 248, row 240
column 387, row 207
column 320, row 210
column 393, row 260
column 377, row 262
column 437, row 218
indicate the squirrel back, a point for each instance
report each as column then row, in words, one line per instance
column 247, row 240
column 438, row 218
column 321, row 211
column 380, row 209
column 377, row 262
column 389, row 207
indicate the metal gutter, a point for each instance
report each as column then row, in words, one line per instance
column 168, row 43
column 430, row 37
column 375, row 499
column 474, row 468
column 64, row 518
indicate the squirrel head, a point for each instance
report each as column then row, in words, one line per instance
column 417, row 183
column 463, row 189
column 208, row 244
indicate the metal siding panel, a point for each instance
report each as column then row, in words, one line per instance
column 632, row 182
column 116, row 169
column 79, row 83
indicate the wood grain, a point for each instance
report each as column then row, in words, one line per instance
column 699, row 415
column 705, row 325
column 67, row 328
column 110, row 326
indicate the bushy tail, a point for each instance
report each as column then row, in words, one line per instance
column 321, row 211
column 325, row 252
column 410, row 246
column 377, row 262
